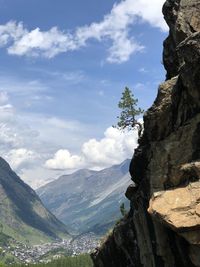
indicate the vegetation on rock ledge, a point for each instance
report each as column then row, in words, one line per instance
column 127, row 119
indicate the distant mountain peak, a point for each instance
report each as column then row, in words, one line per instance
column 88, row 200
column 126, row 162
column 124, row 166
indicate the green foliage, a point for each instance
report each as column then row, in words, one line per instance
column 123, row 209
column 9, row 260
column 57, row 251
column 4, row 239
column 1, row 227
column 127, row 118
column 77, row 261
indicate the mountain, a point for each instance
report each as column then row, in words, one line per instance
column 22, row 214
column 88, row 200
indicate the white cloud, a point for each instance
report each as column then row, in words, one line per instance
column 20, row 157
column 11, row 32
column 63, row 160
column 27, row 140
column 47, row 44
column 122, row 49
column 3, row 97
column 112, row 149
column 35, row 131
column 14, row 132
column 114, row 27
column 37, row 176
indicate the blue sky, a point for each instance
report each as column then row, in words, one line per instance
column 63, row 68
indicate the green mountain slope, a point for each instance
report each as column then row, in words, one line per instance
column 22, row 214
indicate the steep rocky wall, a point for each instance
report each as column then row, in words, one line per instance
column 162, row 228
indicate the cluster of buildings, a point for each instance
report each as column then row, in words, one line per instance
column 84, row 244
column 46, row 252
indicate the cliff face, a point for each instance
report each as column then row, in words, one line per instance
column 162, row 228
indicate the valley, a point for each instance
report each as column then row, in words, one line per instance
column 13, row 251
column 88, row 201
column 22, row 214
column 78, row 210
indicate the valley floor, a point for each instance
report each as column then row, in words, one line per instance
column 75, row 261
column 17, row 252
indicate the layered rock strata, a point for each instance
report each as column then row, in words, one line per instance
column 162, row 228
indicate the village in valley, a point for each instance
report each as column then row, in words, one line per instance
column 49, row 251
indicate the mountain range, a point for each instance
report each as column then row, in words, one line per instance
column 88, row 201
column 85, row 201
column 22, row 214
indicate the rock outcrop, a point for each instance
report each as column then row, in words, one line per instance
column 179, row 209
column 162, row 228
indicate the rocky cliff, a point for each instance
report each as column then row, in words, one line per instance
column 162, row 228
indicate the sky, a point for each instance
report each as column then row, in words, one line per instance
column 64, row 65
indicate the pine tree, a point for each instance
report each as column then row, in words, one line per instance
column 123, row 209
column 127, row 119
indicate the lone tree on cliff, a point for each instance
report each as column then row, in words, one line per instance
column 127, row 119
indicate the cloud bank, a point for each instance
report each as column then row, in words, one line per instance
column 115, row 27
column 112, row 149
column 50, row 146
